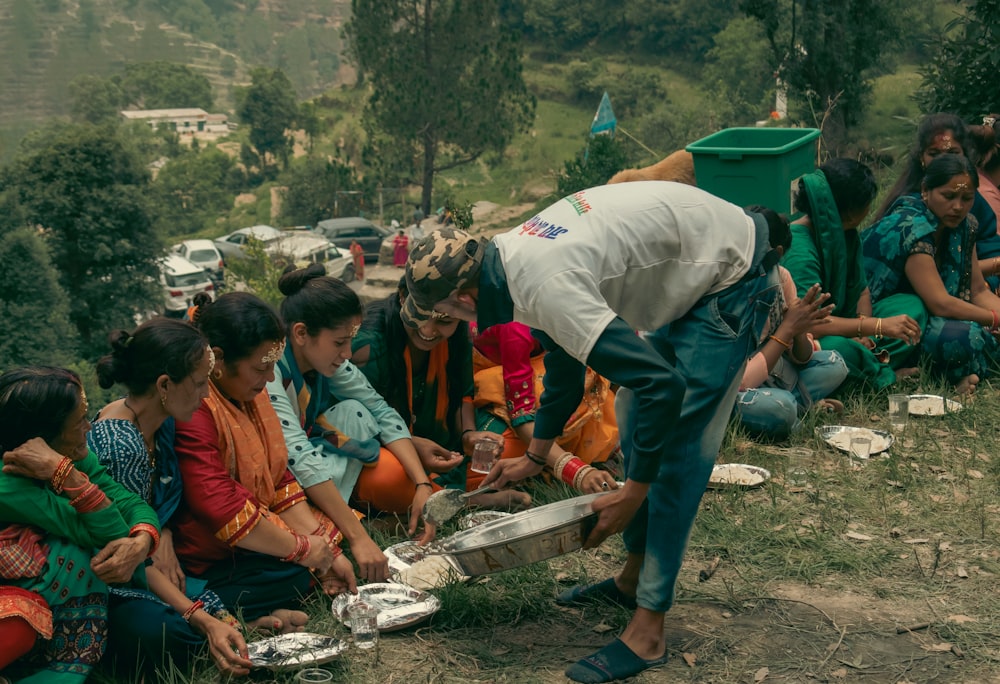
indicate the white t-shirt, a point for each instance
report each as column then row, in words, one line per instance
column 646, row 251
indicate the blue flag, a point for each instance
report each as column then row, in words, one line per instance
column 604, row 119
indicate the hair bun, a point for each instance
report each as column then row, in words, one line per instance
column 293, row 280
column 119, row 341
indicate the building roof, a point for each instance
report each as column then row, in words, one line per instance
column 164, row 113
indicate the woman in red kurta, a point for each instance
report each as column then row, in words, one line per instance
column 245, row 527
column 400, row 249
column 508, row 362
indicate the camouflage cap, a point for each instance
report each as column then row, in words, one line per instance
column 446, row 260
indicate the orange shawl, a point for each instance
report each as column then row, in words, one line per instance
column 251, row 443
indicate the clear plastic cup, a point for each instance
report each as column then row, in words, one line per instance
column 485, row 455
column 314, row 675
column 899, row 412
column 364, row 625
column 861, row 447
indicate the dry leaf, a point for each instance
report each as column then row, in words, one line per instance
column 895, row 483
column 985, row 458
column 857, row 536
column 839, row 673
column 916, row 541
column 895, row 532
column 726, row 614
column 936, row 468
column 562, row 576
column 960, row 619
column 689, row 659
column 974, row 474
column 944, row 546
column 937, row 648
column 761, row 674
column 962, row 572
column 936, row 498
column 779, row 528
column 602, row 627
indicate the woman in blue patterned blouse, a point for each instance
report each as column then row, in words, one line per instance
column 164, row 365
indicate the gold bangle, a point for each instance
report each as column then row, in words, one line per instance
column 780, row 341
column 861, row 319
column 878, row 328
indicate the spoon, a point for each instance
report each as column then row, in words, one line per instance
column 443, row 505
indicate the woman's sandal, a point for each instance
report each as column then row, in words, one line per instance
column 606, row 591
column 613, row 662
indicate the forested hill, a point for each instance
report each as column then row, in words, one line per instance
column 45, row 44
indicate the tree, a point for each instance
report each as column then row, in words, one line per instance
column 96, row 100
column 193, row 190
column 827, row 50
column 87, row 189
column 166, row 85
column 445, row 81
column 268, row 106
column 739, row 73
column 961, row 77
column 313, row 188
column 33, row 307
column 603, row 158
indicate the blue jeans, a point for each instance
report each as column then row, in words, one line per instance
column 709, row 347
column 773, row 412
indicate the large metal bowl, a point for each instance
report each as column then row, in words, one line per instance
column 527, row 537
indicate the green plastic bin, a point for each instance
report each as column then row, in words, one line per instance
column 755, row 165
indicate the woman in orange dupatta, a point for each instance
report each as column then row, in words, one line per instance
column 245, row 527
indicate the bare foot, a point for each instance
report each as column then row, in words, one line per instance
column 906, row 373
column 830, row 405
column 507, row 500
column 967, row 385
column 281, row 620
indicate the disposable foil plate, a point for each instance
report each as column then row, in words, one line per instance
column 477, row 518
column 398, row 605
column 294, row 650
column 839, row 437
column 932, row 405
column 737, row 476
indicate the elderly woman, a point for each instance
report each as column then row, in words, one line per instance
column 244, row 526
column 72, row 529
column 164, row 365
column 925, row 246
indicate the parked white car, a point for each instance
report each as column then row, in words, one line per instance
column 231, row 245
column 203, row 253
column 302, row 247
column 181, row 281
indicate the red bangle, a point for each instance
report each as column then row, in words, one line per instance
column 151, row 530
column 61, row 474
column 192, row 609
column 570, row 470
column 996, row 321
column 79, row 488
column 89, row 500
column 301, row 550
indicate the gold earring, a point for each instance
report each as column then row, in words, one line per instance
column 217, row 374
column 163, row 400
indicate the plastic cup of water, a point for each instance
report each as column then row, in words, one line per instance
column 484, row 455
column 899, row 412
column 314, row 675
column 364, row 625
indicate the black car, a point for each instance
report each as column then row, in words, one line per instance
column 343, row 231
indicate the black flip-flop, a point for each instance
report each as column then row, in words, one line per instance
column 607, row 591
column 613, row 662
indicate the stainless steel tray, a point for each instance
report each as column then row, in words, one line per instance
column 295, row 650
column 523, row 538
column 737, row 476
column 398, row 605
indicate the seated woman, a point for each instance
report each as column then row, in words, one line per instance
column 425, row 374
column 244, row 526
column 826, row 249
column 940, row 134
column 508, row 370
column 925, row 246
column 785, row 376
column 987, row 147
column 164, row 365
column 74, row 529
column 332, row 419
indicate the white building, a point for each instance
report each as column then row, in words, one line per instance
column 193, row 122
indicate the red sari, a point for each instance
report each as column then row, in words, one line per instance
column 400, row 250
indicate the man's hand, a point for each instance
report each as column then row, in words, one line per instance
column 510, row 470
column 615, row 511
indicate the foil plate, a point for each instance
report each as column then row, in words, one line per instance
column 839, row 437
column 932, row 405
column 295, row 650
column 737, row 476
column 398, row 605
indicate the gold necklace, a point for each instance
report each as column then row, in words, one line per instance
column 149, row 443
